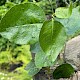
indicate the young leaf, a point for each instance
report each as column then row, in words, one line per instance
column 63, row 12
column 52, row 38
column 63, row 71
column 72, row 24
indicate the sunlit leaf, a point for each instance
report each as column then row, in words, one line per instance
column 72, row 24
column 52, row 38
column 23, row 23
column 63, row 12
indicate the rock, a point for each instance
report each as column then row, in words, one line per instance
column 78, row 75
column 72, row 52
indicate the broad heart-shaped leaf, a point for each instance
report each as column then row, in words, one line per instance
column 63, row 12
column 41, row 59
column 22, row 14
column 63, row 71
column 52, row 38
column 72, row 24
column 32, row 69
column 28, row 14
column 24, row 34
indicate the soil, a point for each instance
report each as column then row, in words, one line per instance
column 43, row 76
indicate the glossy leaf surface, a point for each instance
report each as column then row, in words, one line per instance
column 23, row 23
column 41, row 59
column 22, row 14
column 52, row 38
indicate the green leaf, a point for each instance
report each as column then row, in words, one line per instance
column 32, row 69
column 22, row 14
column 63, row 12
column 63, row 71
column 52, row 38
column 35, row 48
column 72, row 24
column 23, row 23
column 24, row 34
column 41, row 59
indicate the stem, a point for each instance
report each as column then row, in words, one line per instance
column 64, row 53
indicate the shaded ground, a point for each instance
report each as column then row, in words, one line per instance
column 42, row 76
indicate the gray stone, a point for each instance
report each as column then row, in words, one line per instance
column 72, row 52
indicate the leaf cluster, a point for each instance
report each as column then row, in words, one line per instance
column 27, row 24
